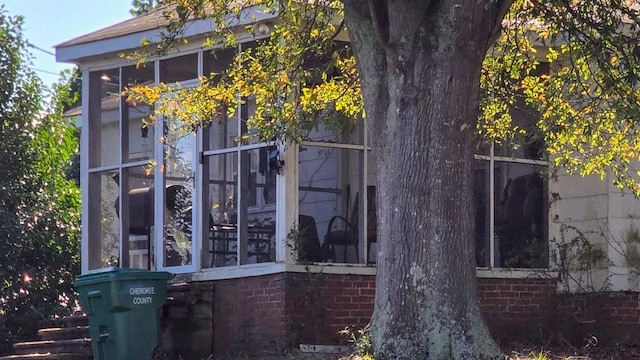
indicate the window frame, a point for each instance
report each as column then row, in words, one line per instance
column 364, row 150
column 492, row 159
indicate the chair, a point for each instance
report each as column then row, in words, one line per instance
column 372, row 219
column 343, row 232
column 310, row 249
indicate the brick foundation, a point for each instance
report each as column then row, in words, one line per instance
column 320, row 305
column 606, row 316
column 516, row 309
column 266, row 315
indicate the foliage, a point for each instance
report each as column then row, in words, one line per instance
column 73, row 79
column 576, row 258
column 292, row 89
column 579, row 254
column 143, row 6
column 360, row 339
column 296, row 241
column 588, row 103
column 39, row 207
column 531, row 356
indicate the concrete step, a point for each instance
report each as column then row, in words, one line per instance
column 47, row 357
column 66, row 333
column 73, row 346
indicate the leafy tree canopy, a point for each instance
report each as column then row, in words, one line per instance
column 587, row 102
column 39, row 206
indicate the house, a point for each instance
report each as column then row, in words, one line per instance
column 246, row 226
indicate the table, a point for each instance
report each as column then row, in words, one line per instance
column 258, row 239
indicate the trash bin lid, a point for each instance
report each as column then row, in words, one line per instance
column 120, row 274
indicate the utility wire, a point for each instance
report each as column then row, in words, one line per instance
column 64, row 76
column 47, row 72
column 39, row 48
column 48, row 53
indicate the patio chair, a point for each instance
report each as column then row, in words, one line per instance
column 344, row 232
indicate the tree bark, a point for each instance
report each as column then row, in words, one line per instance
column 419, row 64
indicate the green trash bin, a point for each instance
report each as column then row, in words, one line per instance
column 123, row 307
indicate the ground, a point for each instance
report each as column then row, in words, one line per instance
column 587, row 352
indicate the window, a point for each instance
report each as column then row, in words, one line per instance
column 336, row 207
column 218, row 195
column 179, row 176
column 239, row 192
column 217, row 62
column 511, row 215
column 119, row 190
column 157, row 198
column 511, row 199
column 180, row 68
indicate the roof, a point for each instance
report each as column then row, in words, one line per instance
column 127, row 35
column 109, row 102
column 152, row 20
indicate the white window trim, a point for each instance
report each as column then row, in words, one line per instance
column 507, row 273
column 249, row 270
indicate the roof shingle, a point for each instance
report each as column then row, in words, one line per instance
column 152, row 20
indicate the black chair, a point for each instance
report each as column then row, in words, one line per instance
column 344, row 232
column 309, row 249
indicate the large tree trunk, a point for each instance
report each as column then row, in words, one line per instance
column 419, row 64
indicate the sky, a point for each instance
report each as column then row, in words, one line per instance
column 50, row 22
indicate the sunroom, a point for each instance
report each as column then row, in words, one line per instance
column 239, row 215
column 225, row 203
column 246, row 204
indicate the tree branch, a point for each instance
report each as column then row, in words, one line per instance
column 380, row 18
column 500, row 9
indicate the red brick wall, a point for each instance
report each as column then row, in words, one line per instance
column 320, row 305
column 606, row 316
column 249, row 314
column 268, row 314
column 236, row 316
column 516, row 309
